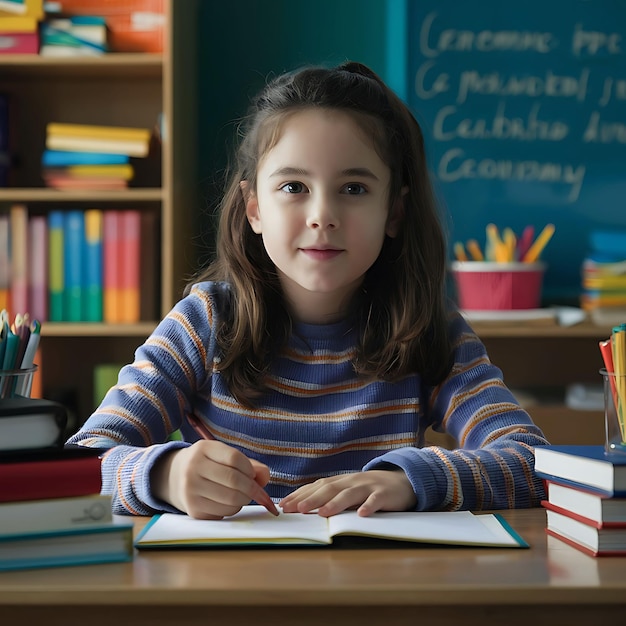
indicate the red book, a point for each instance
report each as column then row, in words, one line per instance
column 19, row 43
column 60, row 475
column 608, row 541
column 129, row 264
column 586, row 506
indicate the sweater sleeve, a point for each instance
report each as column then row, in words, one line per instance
column 493, row 466
column 150, row 401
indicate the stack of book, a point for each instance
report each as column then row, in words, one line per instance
column 51, row 509
column 604, row 278
column 19, row 26
column 81, row 156
column 586, row 497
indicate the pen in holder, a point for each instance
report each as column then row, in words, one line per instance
column 16, row 383
column 614, row 416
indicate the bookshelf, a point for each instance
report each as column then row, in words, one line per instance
column 123, row 89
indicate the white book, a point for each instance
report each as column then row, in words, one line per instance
column 55, row 514
column 253, row 525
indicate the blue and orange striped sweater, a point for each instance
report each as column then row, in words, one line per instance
column 318, row 419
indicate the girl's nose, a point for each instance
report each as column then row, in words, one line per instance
column 323, row 215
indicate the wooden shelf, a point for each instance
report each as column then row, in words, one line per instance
column 116, row 89
column 585, row 329
column 18, row 194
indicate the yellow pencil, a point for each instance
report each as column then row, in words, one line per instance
column 539, row 244
column 510, row 241
column 474, row 250
column 459, row 252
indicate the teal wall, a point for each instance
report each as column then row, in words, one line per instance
column 243, row 42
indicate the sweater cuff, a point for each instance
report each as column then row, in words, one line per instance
column 142, row 470
column 428, row 481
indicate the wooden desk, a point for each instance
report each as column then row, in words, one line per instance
column 550, row 583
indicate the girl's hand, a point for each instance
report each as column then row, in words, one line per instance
column 368, row 492
column 208, row 480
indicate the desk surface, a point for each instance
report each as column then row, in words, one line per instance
column 548, row 583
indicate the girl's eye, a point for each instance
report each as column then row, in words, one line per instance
column 293, row 188
column 354, row 189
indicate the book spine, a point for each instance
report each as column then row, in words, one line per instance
column 41, row 480
column 74, row 232
column 92, row 309
column 61, row 158
column 20, row 43
column 18, row 218
column 130, row 226
column 56, row 284
column 111, row 262
column 5, row 272
column 37, row 268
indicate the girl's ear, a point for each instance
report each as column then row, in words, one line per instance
column 396, row 215
column 252, row 206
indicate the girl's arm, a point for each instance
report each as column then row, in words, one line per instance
column 149, row 403
column 493, row 467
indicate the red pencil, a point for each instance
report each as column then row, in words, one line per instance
column 260, row 495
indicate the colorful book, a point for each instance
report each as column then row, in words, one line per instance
column 38, row 268
column 581, row 466
column 254, row 526
column 94, row 138
column 123, row 171
column 73, row 262
column 64, row 158
column 55, row 514
column 111, row 266
column 18, row 24
column 585, row 506
column 5, row 268
column 108, row 543
column 18, row 221
column 92, row 294
column 586, row 537
column 74, row 36
column 19, row 43
column 56, row 263
column 29, row 8
column 129, row 264
column 58, row 474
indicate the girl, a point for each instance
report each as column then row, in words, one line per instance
column 317, row 348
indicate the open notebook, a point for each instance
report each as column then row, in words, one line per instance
column 253, row 525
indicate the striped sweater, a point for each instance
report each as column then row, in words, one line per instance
column 318, row 419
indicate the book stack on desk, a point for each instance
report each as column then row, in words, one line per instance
column 586, row 497
column 52, row 513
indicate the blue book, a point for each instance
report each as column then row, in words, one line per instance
column 583, row 467
column 109, row 543
column 65, row 158
column 73, row 264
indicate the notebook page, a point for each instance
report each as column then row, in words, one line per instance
column 455, row 527
column 251, row 524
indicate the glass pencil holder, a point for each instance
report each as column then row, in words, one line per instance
column 16, row 383
column 614, row 413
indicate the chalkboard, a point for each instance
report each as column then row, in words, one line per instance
column 523, row 107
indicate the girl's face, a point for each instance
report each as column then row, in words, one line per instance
column 322, row 207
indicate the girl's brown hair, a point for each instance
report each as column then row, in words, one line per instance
column 400, row 313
